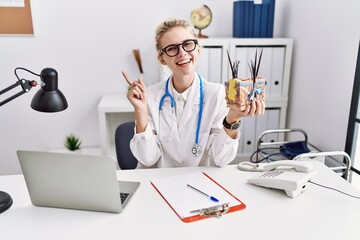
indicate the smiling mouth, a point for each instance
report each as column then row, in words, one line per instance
column 184, row 62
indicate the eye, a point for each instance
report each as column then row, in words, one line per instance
column 171, row 48
column 188, row 44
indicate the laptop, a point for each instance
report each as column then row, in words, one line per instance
column 74, row 181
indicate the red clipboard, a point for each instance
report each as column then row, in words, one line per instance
column 190, row 205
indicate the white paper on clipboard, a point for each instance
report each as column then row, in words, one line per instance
column 184, row 200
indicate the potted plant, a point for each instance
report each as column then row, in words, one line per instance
column 72, row 142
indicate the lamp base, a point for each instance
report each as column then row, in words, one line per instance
column 5, row 201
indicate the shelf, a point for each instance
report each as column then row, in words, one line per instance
column 115, row 103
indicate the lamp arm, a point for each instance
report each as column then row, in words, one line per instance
column 10, row 87
column 26, row 86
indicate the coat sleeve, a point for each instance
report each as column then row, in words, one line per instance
column 145, row 148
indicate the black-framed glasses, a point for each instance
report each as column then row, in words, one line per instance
column 172, row 50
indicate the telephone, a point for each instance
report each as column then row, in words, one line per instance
column 291, row 176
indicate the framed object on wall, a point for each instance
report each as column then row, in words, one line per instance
column 16, row 19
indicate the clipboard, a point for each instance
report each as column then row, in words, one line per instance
column 190, row 205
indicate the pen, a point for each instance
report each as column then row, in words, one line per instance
column 211, row 197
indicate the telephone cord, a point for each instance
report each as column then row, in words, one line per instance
column 334, row 189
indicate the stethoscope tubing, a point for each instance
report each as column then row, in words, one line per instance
column 167, row 94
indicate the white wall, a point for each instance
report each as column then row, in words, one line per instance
column 90, row 42
column 327, row 35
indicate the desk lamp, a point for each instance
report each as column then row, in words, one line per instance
column 48, row 99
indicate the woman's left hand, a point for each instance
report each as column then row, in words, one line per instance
column 256, row 108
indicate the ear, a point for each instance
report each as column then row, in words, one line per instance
column 161, row 60
column 199, row 48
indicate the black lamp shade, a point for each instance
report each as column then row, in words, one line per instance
column 49, row 98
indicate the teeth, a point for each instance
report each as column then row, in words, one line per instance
column 183, row 62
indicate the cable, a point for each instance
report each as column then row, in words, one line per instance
column 355, row 170
column 263, row 152
column 334, row 189
column 21, row 68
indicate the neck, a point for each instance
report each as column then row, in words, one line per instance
column 182, row 83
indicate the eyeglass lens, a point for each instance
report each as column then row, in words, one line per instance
column 187, row 45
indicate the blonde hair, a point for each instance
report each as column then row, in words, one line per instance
column 169, row 24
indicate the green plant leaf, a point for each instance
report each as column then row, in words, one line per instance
column 72, row 142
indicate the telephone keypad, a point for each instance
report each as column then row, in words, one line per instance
column 271, row 174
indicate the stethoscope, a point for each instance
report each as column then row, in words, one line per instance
column 196, row 149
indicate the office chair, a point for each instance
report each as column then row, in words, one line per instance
column 123, row 134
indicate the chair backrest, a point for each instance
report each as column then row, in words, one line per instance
column 123, row 134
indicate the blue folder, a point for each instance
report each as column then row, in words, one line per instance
column 252, row 20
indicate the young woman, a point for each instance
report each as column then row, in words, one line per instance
column 183, row 121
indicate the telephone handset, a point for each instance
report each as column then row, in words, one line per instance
column 300, row 166
column 291, row 176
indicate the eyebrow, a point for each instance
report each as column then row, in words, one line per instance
column 177, row 43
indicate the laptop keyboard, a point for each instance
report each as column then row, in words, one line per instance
column 123, row 197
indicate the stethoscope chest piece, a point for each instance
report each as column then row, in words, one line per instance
column 196, row 150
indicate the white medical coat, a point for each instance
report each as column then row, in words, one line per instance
column 166, row 143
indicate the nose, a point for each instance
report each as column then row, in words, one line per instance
column 181, row 51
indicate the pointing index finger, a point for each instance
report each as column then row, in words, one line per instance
column 127, row 78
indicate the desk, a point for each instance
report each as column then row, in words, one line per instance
column 316, row 214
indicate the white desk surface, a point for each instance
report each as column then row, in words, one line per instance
column 318, row 213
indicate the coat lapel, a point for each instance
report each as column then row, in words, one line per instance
column 167, row 117
column 192, row 105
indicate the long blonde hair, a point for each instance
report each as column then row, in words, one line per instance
column 169, row 24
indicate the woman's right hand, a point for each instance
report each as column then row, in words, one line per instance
column 137, row 94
